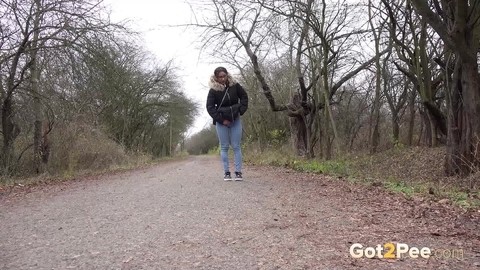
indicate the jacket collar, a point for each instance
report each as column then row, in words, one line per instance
column 218, row 87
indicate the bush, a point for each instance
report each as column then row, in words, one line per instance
column 82, row 147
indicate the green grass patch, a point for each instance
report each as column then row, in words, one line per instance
column 214, row 151
column 330, row 167
column 401, row 187
column 464, row 199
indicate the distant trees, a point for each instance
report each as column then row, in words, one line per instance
column 202, row 142
column 137, row 100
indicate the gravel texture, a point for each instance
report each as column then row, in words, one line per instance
column 182, row 215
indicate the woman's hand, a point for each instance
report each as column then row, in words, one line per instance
column 226, row 123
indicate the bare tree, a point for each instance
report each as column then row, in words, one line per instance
column 141, row 108
column 377, row 32
column 324, row 35
column 458, row 25
column 32, row 28
column 415, row 46
column 396, row 89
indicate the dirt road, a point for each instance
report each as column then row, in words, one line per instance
column 182, row 215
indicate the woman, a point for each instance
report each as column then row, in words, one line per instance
column 226, row 102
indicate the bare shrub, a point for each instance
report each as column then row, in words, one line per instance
column 80, row 146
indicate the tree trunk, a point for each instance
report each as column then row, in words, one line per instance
column 38, row 145
column 298, row 127
column 328, row 145
column 426, row 137
column 321, row 137
column 327, row 135
column 433, row 131
column 411, row 121
column 10, row 131
column 395, row 127
column 422, row 128
column 315, row 132
column 299, row 132
column 39, row 166
column 308, row 138
column 38, row 133
column 463, row 141
column 375, row 139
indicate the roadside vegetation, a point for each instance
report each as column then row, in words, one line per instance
column 413, row 172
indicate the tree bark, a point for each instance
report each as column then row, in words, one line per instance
column 395, row 128
column 375, row 139
column 411, row 120
column 10, row 131
column 39, row 165
column 298, row 127
column 463, row 140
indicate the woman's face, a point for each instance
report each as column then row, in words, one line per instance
column 221, row 77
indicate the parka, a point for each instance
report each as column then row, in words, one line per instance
column 226, row 102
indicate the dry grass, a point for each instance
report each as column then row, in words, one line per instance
column 416, row 171
column 411, row 165
column 86, row 148
column 77, row 149
column 417, row 164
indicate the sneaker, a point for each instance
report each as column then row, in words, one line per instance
column 238, row 176
column 227, row 176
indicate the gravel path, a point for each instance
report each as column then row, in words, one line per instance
column 182, row 215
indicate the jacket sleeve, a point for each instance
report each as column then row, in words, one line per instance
column 212, row 108
column 242, row 95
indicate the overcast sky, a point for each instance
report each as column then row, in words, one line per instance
column 151, row 17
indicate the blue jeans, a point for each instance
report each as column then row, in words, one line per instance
column 230, row 135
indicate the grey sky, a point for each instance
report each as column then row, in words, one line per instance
column 151, row 17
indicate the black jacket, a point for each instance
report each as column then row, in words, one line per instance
column 235, row 100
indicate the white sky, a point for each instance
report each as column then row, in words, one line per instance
column 151, row 17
